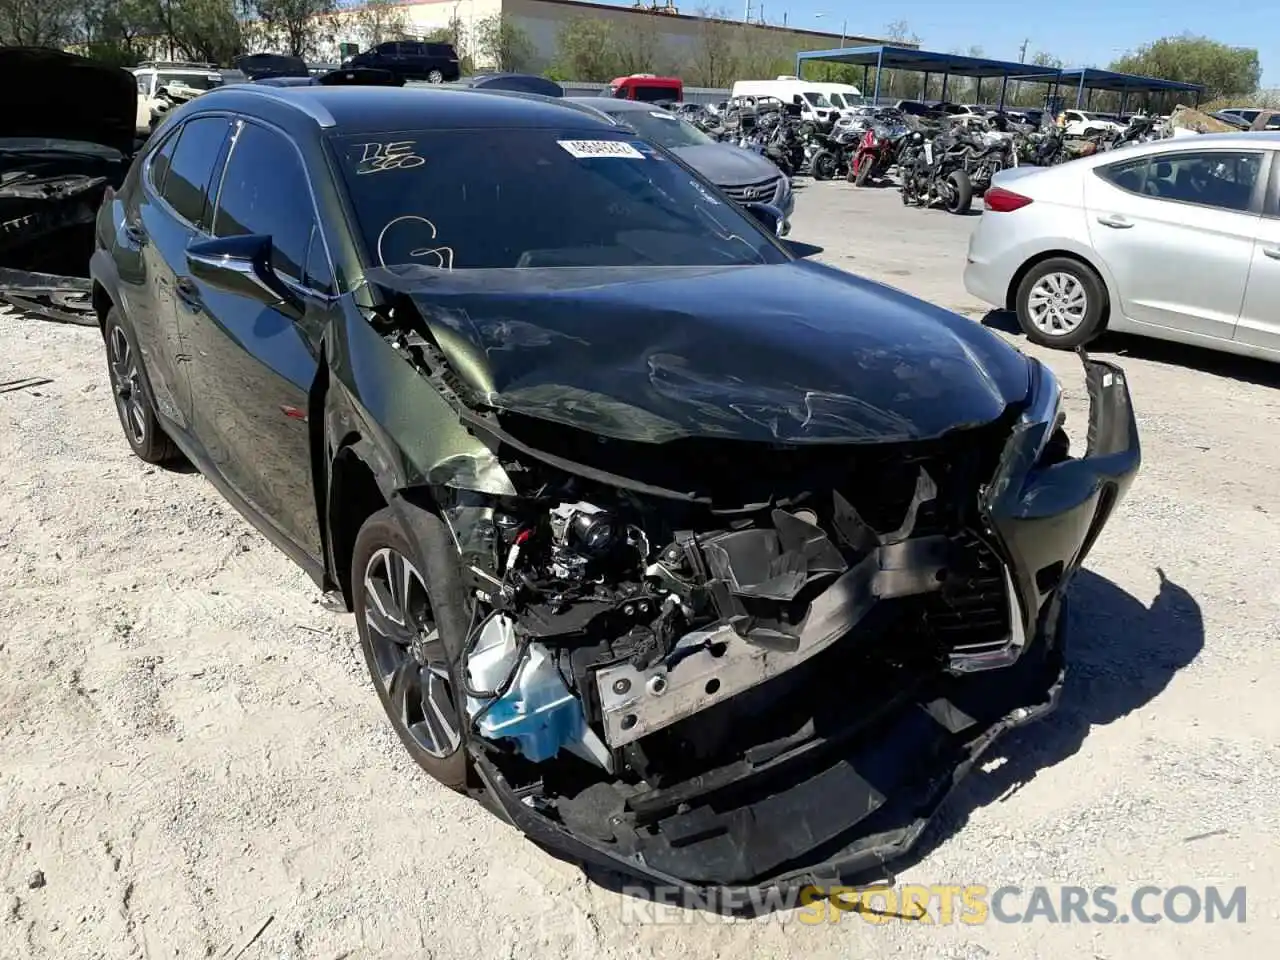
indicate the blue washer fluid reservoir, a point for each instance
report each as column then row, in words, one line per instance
column 538, row 712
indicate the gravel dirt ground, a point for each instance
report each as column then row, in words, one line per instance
column 193, row 762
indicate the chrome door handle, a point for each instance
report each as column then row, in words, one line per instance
column 1119, row 223
column 1272, row 252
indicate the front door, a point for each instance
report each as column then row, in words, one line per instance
column 1176, row 231
column 253, row 367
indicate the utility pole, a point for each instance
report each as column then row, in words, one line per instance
column 1022, row 52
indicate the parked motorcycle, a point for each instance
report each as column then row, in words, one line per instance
column 987, row 155
column 876, row 152
column 933, row 173
column 830, row 157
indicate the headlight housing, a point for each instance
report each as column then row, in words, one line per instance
column 1045, row 407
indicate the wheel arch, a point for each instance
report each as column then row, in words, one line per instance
column 355, row 479
column 1011, row 294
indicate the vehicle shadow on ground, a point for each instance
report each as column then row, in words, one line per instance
column 1121, row 345
column 1121, row 655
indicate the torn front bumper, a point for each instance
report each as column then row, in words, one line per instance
column 833, row 808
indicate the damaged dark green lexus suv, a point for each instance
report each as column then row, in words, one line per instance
column 691, row 557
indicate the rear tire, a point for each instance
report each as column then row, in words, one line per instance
column 414, row 652
column 1047, row 298
column 132, row 393
column 435, row 76
column 961, row 198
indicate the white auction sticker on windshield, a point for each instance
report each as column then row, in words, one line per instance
column 662, row 115
column 592, row 149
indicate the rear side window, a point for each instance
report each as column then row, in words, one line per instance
column 186, row 186
column 264, row 190
column 160, row 161
column 440, row 50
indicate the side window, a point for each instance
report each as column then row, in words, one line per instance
column 387, row 49
column 160, row 160
column 1210, row 179
column 187, row 185
column 264, row 190
column 413, row 49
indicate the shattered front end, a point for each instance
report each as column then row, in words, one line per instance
column 740, row 665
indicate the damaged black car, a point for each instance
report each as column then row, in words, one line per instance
column 693, row 558
column 66, row 138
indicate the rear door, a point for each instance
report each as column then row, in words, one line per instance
column 254, row 366
column 1177, row 231
column 1259, row 324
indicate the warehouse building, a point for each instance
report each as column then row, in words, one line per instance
column 679, row 36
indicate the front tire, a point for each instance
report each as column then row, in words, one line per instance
column 824, row 165
column 961, row 194
column 1061, row 303
column 864, row 172
column 410, row 610
column 134, row 404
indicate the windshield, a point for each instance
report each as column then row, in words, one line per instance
column 196, row 81
column 663, row 128
column 817, row 99
column 485, row 199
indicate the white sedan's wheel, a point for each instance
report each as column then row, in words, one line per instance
column 1061, row 302
column 1058, row 304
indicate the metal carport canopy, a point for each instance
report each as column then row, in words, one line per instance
column 887, row 57
column 1091, row 78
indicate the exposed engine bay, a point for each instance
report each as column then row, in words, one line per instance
column 734, row 658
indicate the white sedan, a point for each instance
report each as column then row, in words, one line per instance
column 1178, row 239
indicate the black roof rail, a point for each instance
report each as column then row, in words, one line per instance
column 177, row 63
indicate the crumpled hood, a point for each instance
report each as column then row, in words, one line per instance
column 794, row 352
column 59, row 96
column 727, row 166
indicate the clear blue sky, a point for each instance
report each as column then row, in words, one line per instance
column 1080, row 32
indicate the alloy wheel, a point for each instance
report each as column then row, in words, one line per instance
column 412, row 667
column 435, row 76
column 126, row 383
column 1057, row 304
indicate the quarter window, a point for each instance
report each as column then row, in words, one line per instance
column 186, row 186
column 264, row 191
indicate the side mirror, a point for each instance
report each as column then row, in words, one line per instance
column 768, row 216
column 801, row 249
column 242, row 265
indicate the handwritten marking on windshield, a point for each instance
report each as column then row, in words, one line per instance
column 443, row 255
column 396, row 155
column 594, row 149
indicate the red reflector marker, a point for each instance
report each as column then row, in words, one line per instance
column 1000, row 200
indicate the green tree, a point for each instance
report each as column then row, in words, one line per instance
column 377, row 21
column 1224, row 71
column 118, row 31
column 501, row 42
column 638, row 46
column 586, row 49
column 39, row 23
column 712, row 62
column 296, row 27
column 205, row 30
